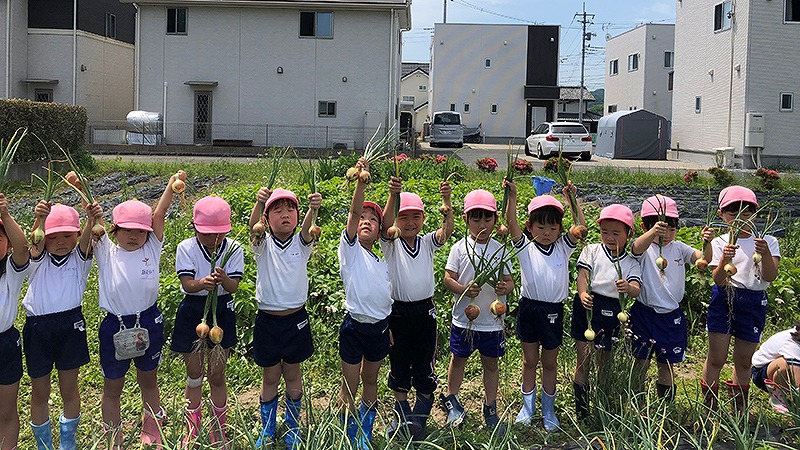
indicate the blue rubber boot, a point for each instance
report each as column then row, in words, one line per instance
column 419, row 416
column 68, row 427
column 43, row 435
column 268, row 412
column 367, row 415
column 292, row 438
column 548, row 411
column 352, row 429
column 402, row 415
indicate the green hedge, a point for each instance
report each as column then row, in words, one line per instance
column 64, row 124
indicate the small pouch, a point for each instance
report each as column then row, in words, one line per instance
column 130, row 343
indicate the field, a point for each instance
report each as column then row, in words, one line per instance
column 623, row 419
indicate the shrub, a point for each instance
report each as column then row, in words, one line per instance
column 551, row 165
column 722, row 177
column 768, row 178
column 64, row 124
column 690, row 176
column 487, row 164
column 523, row 166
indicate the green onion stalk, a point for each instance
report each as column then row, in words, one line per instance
column 622, row 316
column 375, row 149
column 702, row 263
column 578, row 231
column 589, row 334
column 9, row 150
column 80, row 184
column 661, row 210
column 309, row 174
column 502, row 228
column 394, row 231
column 49, row 185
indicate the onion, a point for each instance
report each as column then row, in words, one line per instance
column 730, row 269
column 445, row 210
column 661, row 263
column 622, row 316
column 351, row 174
column 178, row 186
column 498, row 308
column 756, row 258
column 259, row 229
column 315, row 231
column 365, row 177
column 579, row 232
column 589, row 334
column 98, row 230
column 393, row 232
column 181, row 175
column 72, row 178
column 472, row 311
column 502, row 230
column 701, row 264
column 202, row 330
column 37, row 235
column 215, row 334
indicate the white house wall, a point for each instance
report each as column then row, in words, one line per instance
column 50, row 57
column 625, row 89
column 242, row 48
column 657, row 96
column 13, row 66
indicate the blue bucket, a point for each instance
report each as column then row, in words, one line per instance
column 543, row 185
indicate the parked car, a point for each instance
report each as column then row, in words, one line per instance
column 473, row 135
column 446, row 129
column 571, row 138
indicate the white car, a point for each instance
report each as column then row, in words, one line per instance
column 548, row 138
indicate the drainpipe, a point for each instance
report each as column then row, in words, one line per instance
column 74, row 52
column 164, row 114
column 136, row 58
column 8, row 48
column 392, row 100
column 730, row 80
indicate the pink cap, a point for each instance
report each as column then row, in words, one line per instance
column 651, row 206
column 410, row 202
column 278, row 194
column 212, row 215
column 543, row 200
column 620, row 213
column 133, row 215
column 378, row 210
column 733, row 194
column 62, row 219
column 480, row 199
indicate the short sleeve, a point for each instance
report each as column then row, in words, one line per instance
column 453, row 259
column 235, row 265
column 585, row 258
column 184, row 264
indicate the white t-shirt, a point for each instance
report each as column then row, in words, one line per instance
column 747, row 275
column 56, row 283
column 10, row 285
column 282, row 279
column 128, row 280
column 368, row 294
column 411, row 270
column 778, row 345
column 545, row 270
column 664, row 291
column 459, row 262
column 192, row 259
column 597, row 259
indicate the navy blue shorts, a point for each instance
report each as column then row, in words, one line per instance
column 279, row 339
column 540, row 322
column 357, row 340
column 413, row 352
column 189, row 314
column 758, row 375
column 10, row 357
column 663, row 335
column 463, row 342
column 745, row 322
column 604, row 320
column 153, row 321
column 57, row 339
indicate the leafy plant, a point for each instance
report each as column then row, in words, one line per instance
column 556, row 163
column 691, row 176
column 487, row 164
column 523, row 166
column 722, row 177
column 768, row 178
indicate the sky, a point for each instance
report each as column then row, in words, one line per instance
column 611, row 18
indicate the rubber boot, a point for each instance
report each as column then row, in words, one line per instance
column 777, row 399
column 549, row 412
column 667, row 392
column 419, row 416
column 44, row 435
column 219, row 415
column 455, row 412
column 151, row 428
column 402, row 413
column 352, row 429
column 492, row 420
column 738, row 393
column 292, row 439
column 710, row 398
column 67, row 429
column 366, row 415
column 528, row 410
column 194, row 418
column 113, row 436
column 581, row 400
column 269, row 416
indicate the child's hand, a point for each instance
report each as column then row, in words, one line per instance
column 94, row 210
column 209, row 283
column 42, row 208
column 501, row 288
column 729, row 251
column 622, row 286
column 315, row 201
column 362, row 163
column 3, row 205
column 708, row 234
column 445, row 190
column 660, row 228
column 473, row 291
column 395, row 185
column 569, row 188
column 263, row 195
column 512, row 187
column 762, row 247
column 220, row 275
column 587, row 300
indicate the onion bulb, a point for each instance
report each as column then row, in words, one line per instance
column 351, row 174
column 178, row 186
column 472, row 311
column 37, row 235
column 202, row 330
column 578, row 232
column 661, row 263
column 315, row 231
column 701, row 264
column 365, row 177
column 181, row 175
column 393, row 232
column 589, row 334
column 259, row 229
column 98, row 230
column 730, row 269
column 498, row 308
column 502, row 230
column 756, row 258
column 622, row 316
column 215, row 334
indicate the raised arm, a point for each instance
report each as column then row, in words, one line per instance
column 642, row 243
column 357, row 204
column 262, row 196
column 160, row 213
column 395, row 186
column 16, row 237
column 448, row 224
column 511, row 211
column 94, row 214
column 41, row 211
column 314, row 202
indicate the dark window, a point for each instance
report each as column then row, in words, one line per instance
column 697, row 104
column 792, row 10
column 316, row 24
column 466, row 108
column 452, row 106
column 111, row 26
column 494, row 109
column 722, row 16
column 633, row 62
column 487, row 63
column 670, row 80
column 612, row 109
column 446, row 119
column 43, row 95
column 327, row 109
column 787, row 101
column 568, row 129
column 669, row 59
column 176, row 20
column 613, row 67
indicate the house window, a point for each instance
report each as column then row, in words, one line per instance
column 494, row 108
column 466, row 108
column 613, row 67
column 452, row 106
column 316, row 24
column 423, row 87
column 633, row 62
column 612, row 109
column 787, row 101
column 792, row 11
column 408, row 98
column 487, row 63
column 176, row 20
column 111, row 26
column 670, row 80
column 697, row 104
column 43, row 95
column 669, row 60
column 327, row 108
column 722, row 16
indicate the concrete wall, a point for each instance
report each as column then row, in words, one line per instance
column 657, row 97
column 17, row 61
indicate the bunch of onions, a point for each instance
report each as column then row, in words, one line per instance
column 577, row 231
column 589, row 334
column 50, row 184
column 310, row 178
column 213, row 333
column 179, row 185
column 373, row 151
column 75, row 180
column 622, row 316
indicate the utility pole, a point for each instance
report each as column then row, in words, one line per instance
column 586, row 37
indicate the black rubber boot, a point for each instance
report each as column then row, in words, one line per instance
column 581, row 400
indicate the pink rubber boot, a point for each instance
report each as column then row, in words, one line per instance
column 219, row 417
column 193, row 420
column 151, row 428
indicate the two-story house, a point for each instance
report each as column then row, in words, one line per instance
column 414, row 92
column 79, row 52
column 640, row 69
column 504, row 77
column 272, row 72
column 737, row 70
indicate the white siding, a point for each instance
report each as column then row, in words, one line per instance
column 659, row 39
column 51, row 58
column 410, row 86
column 18, row 21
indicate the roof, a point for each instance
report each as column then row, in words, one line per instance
column 571, row 93
column 421, row 105
column 641, row 25
column 410, row 67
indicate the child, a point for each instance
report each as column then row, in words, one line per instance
column 13, row 271
column 598, row 262
column 55, row 329
column 545, row 282
column 776, row 366
column 364, row 333
column 413, row 320
column 486, row 332
column 211, row 218
column 657, row 320
column 282, row 334
column 133, row 328
column 738, row 305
